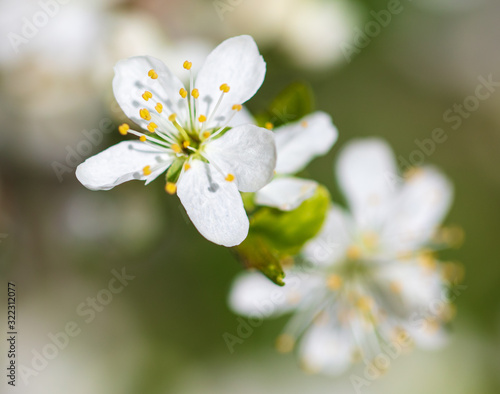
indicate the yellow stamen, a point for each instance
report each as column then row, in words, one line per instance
column 142, row 138
column 170, row 188
column 237, row 107
column 195, row 93
column 185, row 144
column 187, row 65
column 152, row 127
column 206, row 134
column 334, row 282
column 144, row 113
column 230, row 177
column 152, row 74
column 353, row 252
column 285, row 343
column 364, row 304
column 176, row 148
column 146, row 170
column 225, row 87
column 304, row 124
column 183, row 92
column 187, row 166
column 202, row 118
column 269, row 126
column 172, row 117
column 395, row 287
column 123, row 129
column 147, row 95
column 159, row 108
column 427, row 261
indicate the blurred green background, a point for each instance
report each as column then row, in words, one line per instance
column 59, row 242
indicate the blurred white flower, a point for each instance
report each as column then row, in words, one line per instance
column 310, row 31
column 373, row 279
column 297, row 144
column 206, row 168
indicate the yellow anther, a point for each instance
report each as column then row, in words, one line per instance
column 269, row 126
column 146, row 170
column 152, row 74
column 304, row 124
column 395, row 287
column 334, row 282
column 187, row 65
column 185, row 144
column 285, row 343
column 427, row 261
column 187, row 166
column 170, row 188
column 230, row 177
column 237, row 107
column 144, row 113
column 183, row 92
column 353, row 252
column 206, row 134
column 195, row 93
column 159, row 108
column 123, row 129
column 225, row 87
column 147, row 95
column 364, row 304
column 202, row 118
column 370, row 240
column 176, row 148
column 152, row 127
column 172, row 117
column 142, row 138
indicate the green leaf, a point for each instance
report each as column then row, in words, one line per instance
column 293, row 103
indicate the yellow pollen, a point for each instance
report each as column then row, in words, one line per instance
column 364, row 304
column 237, row 107
column 142, row 138
column 202, row 118
column 185, row 144
column 304, row 124
column 147, row 95
column 285, row 343
column 183, row 92
column 152, row 74
column 195, row 93
column 427, row 261
column 334, row 282
column 146, row 170
column 269, row 126
column 172, row 117
column 206, row 134
column 152, row 127
column 159, row 108
column 230, row 177
column 353, row 252
column 170, row 188
column 187, row 166
column 123, row 129
column 225, row 87
column 176, row 148
column 187, row 65
column 144, row 113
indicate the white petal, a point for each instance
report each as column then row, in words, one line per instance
column 248, row 152
column 213, row 204
column 366, row 170
column 327, row 348
column 131, row 81
column 286, row 193
column 235, row 62
column 418, row 209
column 330, row 245
column 121, row 163
column 298, row 143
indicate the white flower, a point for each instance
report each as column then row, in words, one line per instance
column 374, row 279
column 297, row 144
column 207, row 165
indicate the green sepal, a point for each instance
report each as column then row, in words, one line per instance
column 293, row 103
column 175, row 170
